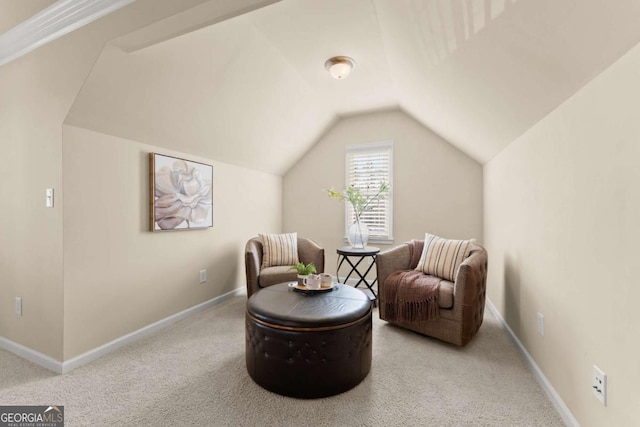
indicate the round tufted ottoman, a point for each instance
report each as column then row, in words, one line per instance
column 308, row 346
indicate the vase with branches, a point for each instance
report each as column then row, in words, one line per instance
column 361, row 200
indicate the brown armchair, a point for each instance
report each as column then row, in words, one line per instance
column 460, row 303
column 308, row 251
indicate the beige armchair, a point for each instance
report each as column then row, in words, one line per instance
column 308, row 251
column 460, row 303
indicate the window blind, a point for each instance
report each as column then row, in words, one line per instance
column 367, row 166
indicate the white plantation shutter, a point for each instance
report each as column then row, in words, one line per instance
column 368, row 165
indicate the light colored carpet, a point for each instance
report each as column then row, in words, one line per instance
column 193, row 373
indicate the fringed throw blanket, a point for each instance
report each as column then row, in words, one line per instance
column 411, row 295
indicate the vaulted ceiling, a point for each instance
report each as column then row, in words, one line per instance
column 252, row 90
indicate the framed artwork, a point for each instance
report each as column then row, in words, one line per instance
column 181, row 194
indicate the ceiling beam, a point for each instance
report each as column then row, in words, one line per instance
column 62, row 17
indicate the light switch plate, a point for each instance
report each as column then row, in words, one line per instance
column 49, row 197
column 540, row 324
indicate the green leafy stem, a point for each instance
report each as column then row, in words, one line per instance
column 359, row 201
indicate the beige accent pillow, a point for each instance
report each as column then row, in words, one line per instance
column 279, row 249
column 442, row 257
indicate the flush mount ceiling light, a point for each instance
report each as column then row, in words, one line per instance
column 339, row 66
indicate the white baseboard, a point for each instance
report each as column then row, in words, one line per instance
column 31, row 355
column 553, row 395
column 71, row 364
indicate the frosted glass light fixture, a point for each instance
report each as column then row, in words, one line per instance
column 339, row 66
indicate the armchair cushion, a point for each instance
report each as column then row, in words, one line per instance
column 278, row 274
column 445, row 297
column 442, row 257
column 279, row 249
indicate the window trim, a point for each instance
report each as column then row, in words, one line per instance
column 367, row 146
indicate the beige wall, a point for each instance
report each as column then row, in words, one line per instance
column 119, row 276
column 37, row 92
column 436, row 187
column 30, row 235
column 561, row 226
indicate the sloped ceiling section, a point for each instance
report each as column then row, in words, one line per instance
column 480, row 73
column 252, row 90
column 222, row 92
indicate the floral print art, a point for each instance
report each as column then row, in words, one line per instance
column 182, row 196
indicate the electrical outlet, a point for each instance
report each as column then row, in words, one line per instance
column 600, row 385
column 19, row 306
column 540, row 324
column 203, row 276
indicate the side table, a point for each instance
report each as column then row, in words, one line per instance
column 344, row 254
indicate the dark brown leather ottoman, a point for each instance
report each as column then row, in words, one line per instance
column 308, row 346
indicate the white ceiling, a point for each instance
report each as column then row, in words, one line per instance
column 481, row 86
column 307, row 33
column 253, row 91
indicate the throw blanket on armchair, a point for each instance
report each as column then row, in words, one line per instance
column 411, row 295
column 415, row 251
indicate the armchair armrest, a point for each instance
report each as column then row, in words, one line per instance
column 469, row 292
column 310, row 251
column 252, row 263
column 397, row 258
column 472, row 277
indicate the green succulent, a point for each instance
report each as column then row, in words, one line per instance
column 304, row 269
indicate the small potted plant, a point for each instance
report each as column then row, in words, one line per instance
column 303, row 270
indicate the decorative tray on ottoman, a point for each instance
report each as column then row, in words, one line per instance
column 304, row 289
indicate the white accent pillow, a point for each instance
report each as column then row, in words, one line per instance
column 442, row 257
column 279, row 249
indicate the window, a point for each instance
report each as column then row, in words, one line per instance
column 367, row 166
